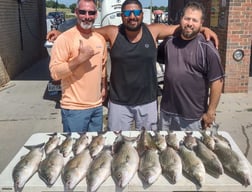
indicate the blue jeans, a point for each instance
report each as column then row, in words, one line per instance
column 169, row 122
column 87, row 120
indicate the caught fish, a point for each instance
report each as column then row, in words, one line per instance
column 189, row 140
column 52, row 143
column 67, row 145
column 172, row 140
column 27, row 166
column 75, row 170
column 145, row 142
column 192, row 165
column 234, row 165
column 149, row 166
column 171, row 164
column 80, row 144
column 97, row 143
column 159, row 141
column 51, row 167
column 207, row 140
column 99, row 170
column 215, row 134
column 210, row 160
column 125, row 160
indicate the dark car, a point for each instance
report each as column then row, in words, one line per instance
column 58, row 17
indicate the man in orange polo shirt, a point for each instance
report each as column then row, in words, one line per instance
column 78, row 59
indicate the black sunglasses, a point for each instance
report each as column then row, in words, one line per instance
column 136, row 12
column 84, row 12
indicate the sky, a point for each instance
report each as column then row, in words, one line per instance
column 145, row 3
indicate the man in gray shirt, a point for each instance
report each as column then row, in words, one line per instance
column 192, row 69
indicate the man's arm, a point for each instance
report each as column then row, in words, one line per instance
column 161, row 31
column 215, row 93
column 104, row 88
column 210, row 35
column 52, row 35
column 104, row 82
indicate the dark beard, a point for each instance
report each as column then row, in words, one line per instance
column 137, row 28
column 190, row 35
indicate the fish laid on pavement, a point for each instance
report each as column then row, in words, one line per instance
column 172, row 140
column 50, row 168
column 99, row 170
column 125, row 160
column 208, row 140
column 27, row 166
column 97, row 143
column 171, row 164
column 192, row 165
column 75, row 170
column 52, row 143
column 80, row 144
column 210, row 160
column 67, row 145
column 189, row 140
column 145, row 141
column 159, row 141
column 234, row 165
column 149, row 166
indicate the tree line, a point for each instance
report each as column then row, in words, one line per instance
column 54, row 4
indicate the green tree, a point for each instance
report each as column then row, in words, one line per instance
column 51, row 4
column 62, row 6
column 72, row 7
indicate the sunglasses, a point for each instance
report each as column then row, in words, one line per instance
column 136, row 12
column 84, row 12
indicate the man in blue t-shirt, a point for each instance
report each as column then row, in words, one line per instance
column 193, row 77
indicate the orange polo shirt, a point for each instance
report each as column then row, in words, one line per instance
column 81, row 88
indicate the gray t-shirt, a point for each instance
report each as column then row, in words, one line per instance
column 190, row 66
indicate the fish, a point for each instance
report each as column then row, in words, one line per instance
column 189, row 140
column 210, row 160
column 171, row 164
column 159, row 141
column 172, row 140
column 215, row 134
column 67, row 145
column 99, row 169
column 80, row 144
column 234, row 165
column 145, row 141
column 53, row 141
column 50, row 168
column 149, row 166
column 192, row 166
column 97, row 143
column 75, row 170
column 208, row 140
column 125, row 160
column 27, row 166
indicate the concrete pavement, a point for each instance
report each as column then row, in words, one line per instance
column 27, row 109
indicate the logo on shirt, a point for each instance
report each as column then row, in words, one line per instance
column 147, row 45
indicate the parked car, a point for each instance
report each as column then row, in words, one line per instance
column 56, row 18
